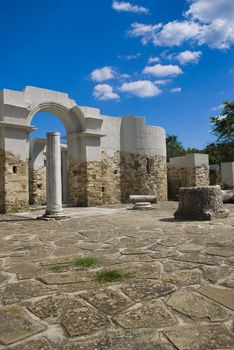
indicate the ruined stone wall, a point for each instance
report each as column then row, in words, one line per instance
column 186, row 177
column 114, row 178
column 85, row 183
column 143, row 175
column 2, row 181
column 37, row 186
column 14, row 184
column 111, row 178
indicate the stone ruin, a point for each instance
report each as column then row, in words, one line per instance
column 190, row 170
column 108, row 158
column 200, row 203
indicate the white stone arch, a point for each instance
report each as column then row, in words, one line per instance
column 17, row 108
column 73, row 119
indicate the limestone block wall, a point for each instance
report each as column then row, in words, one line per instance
column 85, row 183
column 141, row 174
column 111, row 178
column 37, row 172
column 14, row 183
column 14, row 170
column 215, row 175
column 2, row 181
column 187, row 171
column 133, row 159
column 37, row 186
column 227, row 173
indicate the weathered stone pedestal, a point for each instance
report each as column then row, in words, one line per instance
column 53, row 177
column 142, row 206
column 200, row 203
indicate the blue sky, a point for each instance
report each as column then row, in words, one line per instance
column 171, row 61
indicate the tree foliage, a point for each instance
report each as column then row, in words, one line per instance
column 223, row 125
column 174, row 147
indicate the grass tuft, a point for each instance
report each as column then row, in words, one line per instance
column 79, row 262
column 85, row 262
column 112, row 275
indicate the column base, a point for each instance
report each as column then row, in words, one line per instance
column 53, row 216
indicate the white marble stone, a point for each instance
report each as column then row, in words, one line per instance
column 53, row 176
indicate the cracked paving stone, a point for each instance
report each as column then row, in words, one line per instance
column 174, row 265
column 132, row 251
column 191, row 247
column 213, row 274
column 36, row 344
column 173, row 240
column 66, row 278
column 151, row 314
column 140, row 270
column 225, row 251
column 196, row 306
column 183, row 278
column 3, row 278
column 159, row 251
column 81, row 319
column 23, row 290
column 49, row 308
column 145, row 289
column 200, row 258
column 122, row 340
column 228, row 281
column 224, row 296
column 26, row 271
column 136, row 258
column 128, row 242
column 16, row 325
column 201, row 337
column 106, row 300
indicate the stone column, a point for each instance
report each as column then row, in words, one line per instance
column 65, row 176
column 53, row 176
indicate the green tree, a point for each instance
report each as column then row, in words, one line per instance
column 220, row 152
column 174, row 147
column 223, row 125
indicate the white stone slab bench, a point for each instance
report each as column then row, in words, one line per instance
column 142, row 198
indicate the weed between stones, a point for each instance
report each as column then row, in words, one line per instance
column 112, row 275
column 79, row 262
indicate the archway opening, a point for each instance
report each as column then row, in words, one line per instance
column 45, row 122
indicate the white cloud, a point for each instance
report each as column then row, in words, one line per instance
column 162, row 81
column 153, row 59
column 208, row 22
column 207, row 11
column 162, row 71
column 102, row 74
column 175, row 33
column 128, row 7
column 104, row 92
column 176, row 90
column 147, row 32
column 188, row 56
column 130, row 57
column 141, row 88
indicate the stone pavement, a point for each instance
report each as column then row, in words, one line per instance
column 178, row 290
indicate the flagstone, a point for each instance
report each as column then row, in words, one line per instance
column 151, row 314
column 81, row 319
column 224, row 296
column 15, row 325
column 201, row 337
column 141, row 289
column 196, row 306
